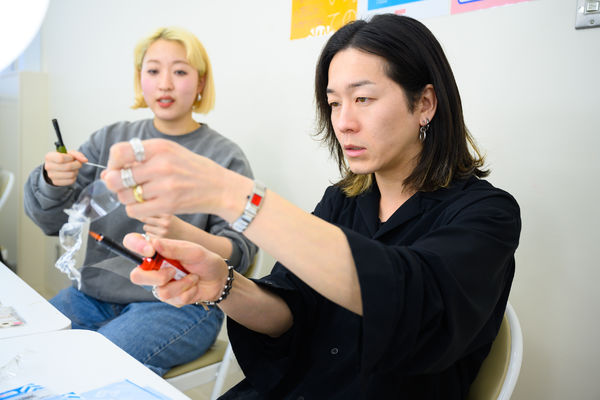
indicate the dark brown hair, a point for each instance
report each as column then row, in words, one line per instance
column 414, row 58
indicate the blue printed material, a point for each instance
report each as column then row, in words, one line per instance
column 65, row 396
column 157, row 393
column 125, row 390
column 22, row 392
column 377, row 4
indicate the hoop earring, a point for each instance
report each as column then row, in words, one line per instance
column 199, row 97
column 423, row 130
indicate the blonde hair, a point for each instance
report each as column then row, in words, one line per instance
column 195, row 54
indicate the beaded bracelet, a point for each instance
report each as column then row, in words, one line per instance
column 224, row 293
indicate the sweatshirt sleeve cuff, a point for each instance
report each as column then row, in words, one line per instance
column 50, row 191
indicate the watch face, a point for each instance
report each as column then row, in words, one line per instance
column 256, row 199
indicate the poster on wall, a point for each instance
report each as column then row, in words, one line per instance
column 322, row 17
column 418, row 9
column 460, row 6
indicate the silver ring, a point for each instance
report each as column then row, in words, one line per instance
column 127, row 178
column 154, row 292
column 138, row 149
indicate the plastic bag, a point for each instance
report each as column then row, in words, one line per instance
column 95, row 201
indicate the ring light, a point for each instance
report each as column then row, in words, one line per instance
column 20, row 21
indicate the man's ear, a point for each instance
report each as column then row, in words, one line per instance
column 427, row 103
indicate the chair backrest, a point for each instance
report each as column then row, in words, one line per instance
column 254, row 270
column 214, row 364
column 500, row 370
column 7, row 180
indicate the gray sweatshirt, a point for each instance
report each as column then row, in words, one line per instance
column 104, row 275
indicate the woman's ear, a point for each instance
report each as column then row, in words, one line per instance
column 427, row 103
column 201, row 81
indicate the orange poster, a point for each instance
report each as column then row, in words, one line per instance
column 320, row 17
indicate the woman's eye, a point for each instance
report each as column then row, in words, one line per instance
column 152, row 71
column 362, row 99
column 181, row 72
column 334, row 104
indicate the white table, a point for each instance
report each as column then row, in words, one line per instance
column 77, row 361
column 39, row 315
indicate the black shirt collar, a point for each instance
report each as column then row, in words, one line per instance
column 419, row 203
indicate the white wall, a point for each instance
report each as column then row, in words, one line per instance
column 530, row 89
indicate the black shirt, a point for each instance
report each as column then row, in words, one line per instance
column 434, row 278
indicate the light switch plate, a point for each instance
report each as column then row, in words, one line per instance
column 588, row 14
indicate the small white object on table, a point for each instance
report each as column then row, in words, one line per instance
column 39, row 315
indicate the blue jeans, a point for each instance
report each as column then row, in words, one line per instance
column 157, row 334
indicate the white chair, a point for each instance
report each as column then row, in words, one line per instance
column 7, row 179
column 500, row 370
column 214, row 364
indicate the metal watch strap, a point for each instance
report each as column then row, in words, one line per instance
column 254, row 203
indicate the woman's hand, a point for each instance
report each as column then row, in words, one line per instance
column 62, row 169
column 171, row 227
column 174, row 180
column 164, row 226
column 207, row 271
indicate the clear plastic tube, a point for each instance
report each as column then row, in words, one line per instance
column 95, row 201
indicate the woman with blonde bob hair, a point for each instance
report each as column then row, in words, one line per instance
column 196, row 56
column 396, row 285
column 173, row 77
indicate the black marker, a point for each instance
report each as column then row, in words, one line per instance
column 60, row 145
